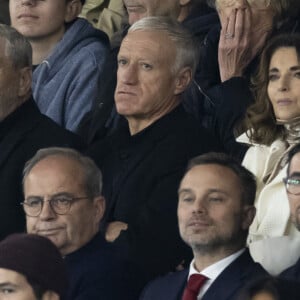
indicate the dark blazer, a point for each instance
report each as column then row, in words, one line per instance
column 97, row 272
column 141, row 175
column 225, row 287
column 22, row 133
column 292, row 273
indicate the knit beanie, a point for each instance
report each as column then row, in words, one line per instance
column 37, row 258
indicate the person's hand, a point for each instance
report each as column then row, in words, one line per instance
column 114, row 229
column 235, row 48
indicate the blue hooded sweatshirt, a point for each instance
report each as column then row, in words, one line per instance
column 65, row 84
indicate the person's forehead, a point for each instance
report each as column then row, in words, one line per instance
column 7, row 275
column 56, row 168
column 295, row 163
column 149, row 39
column 212, row 175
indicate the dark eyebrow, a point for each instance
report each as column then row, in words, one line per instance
column 4, row 284
column 293, row 69
column 180, row 191
column 295, row 174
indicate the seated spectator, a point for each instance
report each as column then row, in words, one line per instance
column 273, row 130
column 292, row 184
column 4, row 13
column 105, row 15
column 23, row 129
column 68, row 55
column 63, row 202
column 271, row 289
column 31, row 268
column 215, row 210
column 144, row 159
column 193, row 14
column 229, row 59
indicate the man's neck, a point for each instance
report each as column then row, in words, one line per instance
column 137, row 124
column 208, row 258
column 41, row 48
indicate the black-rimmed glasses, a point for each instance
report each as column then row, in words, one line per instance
column 292, row 185
column 60, row 204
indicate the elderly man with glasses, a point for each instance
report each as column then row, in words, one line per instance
column 292, row 185
column 63, row 202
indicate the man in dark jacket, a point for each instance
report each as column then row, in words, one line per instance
column 63, row 202
column 215, row 210
column 195, row 15
column 144, row 159
column 23, row 129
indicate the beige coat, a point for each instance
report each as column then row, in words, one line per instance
column 104, row 15
column 273, row 240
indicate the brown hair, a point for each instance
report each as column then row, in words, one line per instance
column 260, row 119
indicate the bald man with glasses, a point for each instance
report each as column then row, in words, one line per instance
column 63, row 202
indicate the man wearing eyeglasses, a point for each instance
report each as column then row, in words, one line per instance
column 292, row 184
column 63, row 202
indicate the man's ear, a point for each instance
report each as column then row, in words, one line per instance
column 184, row 2
column 50, row 295
column 25, row 79
column 248, row 216
column 74, row 8
column 99, row 208
column 183, row 79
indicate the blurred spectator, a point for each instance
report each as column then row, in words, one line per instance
column 31, row 268
column 63, row 202
column 105, row 15
column 23, row 129
column 68, row 54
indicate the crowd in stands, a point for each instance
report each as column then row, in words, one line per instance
column 150, row 149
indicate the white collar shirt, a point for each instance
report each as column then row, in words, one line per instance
column 213, row 271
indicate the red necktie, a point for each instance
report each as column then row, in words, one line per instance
column 195, row 282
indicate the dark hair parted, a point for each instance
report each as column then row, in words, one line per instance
column 246, row 178
column 260, row 119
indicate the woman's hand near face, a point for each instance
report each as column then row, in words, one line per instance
column 235, row 49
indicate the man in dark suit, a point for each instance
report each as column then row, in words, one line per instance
column 143, row 161
column 215, row 210
column 292, row 184
column 63, row 202
column 23, row 129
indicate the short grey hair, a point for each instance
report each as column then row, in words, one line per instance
column 187, row 49
column 18, row 48
column 91, row 173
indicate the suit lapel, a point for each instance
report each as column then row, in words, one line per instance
column 231, row 279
